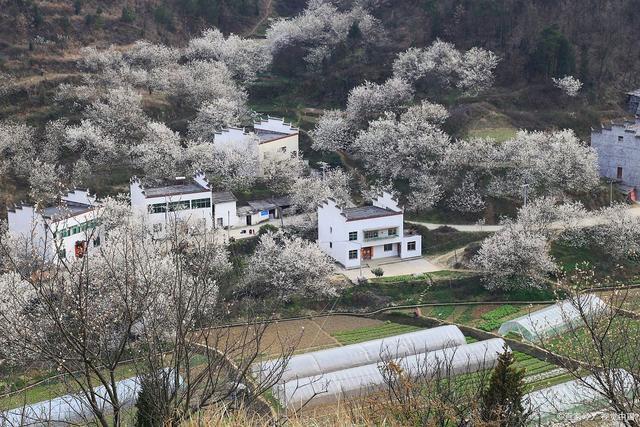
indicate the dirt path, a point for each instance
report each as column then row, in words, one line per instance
column 266, row 12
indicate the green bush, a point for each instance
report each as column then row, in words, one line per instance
column 127, row 15
column 378, row 272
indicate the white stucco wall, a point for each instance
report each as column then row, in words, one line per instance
column 45, row 234
column 227, row 212
column 287, row 145
column 333, row 235
column 194, row 217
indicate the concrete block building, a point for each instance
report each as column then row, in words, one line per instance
column 64, row 231
column 185, row 201
column 618, row 148
column 352, row 236
column 272, row 136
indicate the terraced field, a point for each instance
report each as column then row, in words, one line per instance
column 386, row 329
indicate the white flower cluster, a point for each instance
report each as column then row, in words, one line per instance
column 569, row 85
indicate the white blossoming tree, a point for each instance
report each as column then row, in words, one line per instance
column 569, row 85
column 288, row 267
column 134, row 303
column 160, row 154
column 515, row 258
column 244, row 57
column 17, row 148
column 471, row 71
column 309, row 191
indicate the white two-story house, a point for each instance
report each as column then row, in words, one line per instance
column 272, row 137
column 352, row 236
column 63, row 231
column 182, row 201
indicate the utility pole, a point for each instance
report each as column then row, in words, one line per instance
column 228, row 226
column 525, row 193
column 611, row 192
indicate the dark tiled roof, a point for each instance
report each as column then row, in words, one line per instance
column 174, row 189
column 222, row 197
column 65, row 210
column 365, row 212
column 269, row 135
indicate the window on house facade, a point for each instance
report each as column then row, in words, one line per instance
column 200, row 203
column 75, row 229
column 371, row 234
column 620, row 138
column 353, row 235
column 619, row 173
column 411, row 246
column 331, row 244
column 330, row 229
column 158, row 208
column 353, row 254
column 392, row 231
column 179, row 206
column 219, row 222
column 388, row 247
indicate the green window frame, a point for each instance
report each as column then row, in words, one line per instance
column 75, row 229
column 157, row 208
column 371, row 234
column 392, row 231
column 179, row 206
column 200, row 203
column 411, row 246
column 353, row 235
column 388, row 247
column 353, row 254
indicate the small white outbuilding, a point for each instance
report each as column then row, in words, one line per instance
column 333, row 387
column 554, row 319
column 365, row 353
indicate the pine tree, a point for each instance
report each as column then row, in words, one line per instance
column 503, row 399
column 148, row 413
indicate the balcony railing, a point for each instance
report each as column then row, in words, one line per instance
column 380, row 237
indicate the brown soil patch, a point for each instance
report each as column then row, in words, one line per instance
column 333, row 324
column 302, row 335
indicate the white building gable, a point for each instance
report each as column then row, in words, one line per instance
column 66, row 230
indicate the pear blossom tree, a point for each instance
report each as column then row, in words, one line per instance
column 281, row 171
column 45, row 184
column 215, row 115
column 309, row 191
column 287, row 267
column 551, row 163
column 515, row 258
column 320, row 29
column 406, row 147
column 136, row 303
column 234, row 167
column 569, row 85
column 17, row 147
column 245, row 58
column 471, row 71
column 371, row 100
column 333, row 132
column 160, row 154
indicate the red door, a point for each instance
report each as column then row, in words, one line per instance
column 367, row 253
